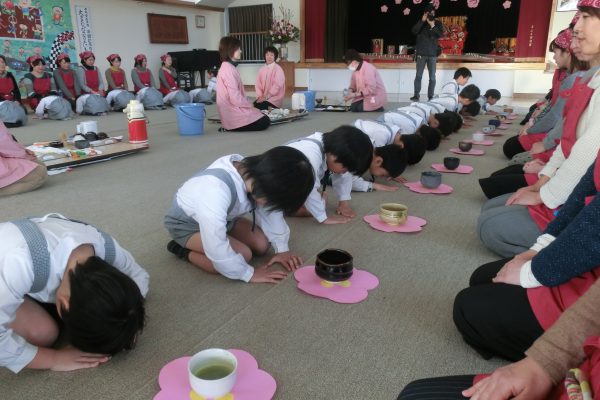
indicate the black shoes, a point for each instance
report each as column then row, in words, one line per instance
column 180, row 252
column 414, row 98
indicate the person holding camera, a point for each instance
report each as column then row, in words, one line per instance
column 428, row 30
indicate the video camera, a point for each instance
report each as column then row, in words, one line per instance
column 430, row 10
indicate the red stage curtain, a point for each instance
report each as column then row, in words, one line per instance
column 534, row 23
column 314, row 29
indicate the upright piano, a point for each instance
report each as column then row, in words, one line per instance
column 187, row 63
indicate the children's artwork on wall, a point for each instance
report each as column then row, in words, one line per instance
column 29, row 27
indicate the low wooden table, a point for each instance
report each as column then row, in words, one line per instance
column 109, row 152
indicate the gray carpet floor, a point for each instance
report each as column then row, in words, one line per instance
column 314, row 348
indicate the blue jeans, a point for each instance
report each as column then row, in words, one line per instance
column 421, row 62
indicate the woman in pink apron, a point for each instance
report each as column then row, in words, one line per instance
column 366, row 90
column 236, row 111
column 270, row 82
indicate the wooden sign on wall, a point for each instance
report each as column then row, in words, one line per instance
column 167, row 29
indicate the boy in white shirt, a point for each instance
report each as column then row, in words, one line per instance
column 205, row 221
column 345, row 149
column 95, row 285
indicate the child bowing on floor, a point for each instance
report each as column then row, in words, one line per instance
column 333, row 154
column 55, row 268
column 205, row 220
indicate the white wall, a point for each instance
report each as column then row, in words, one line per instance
column 121, row 26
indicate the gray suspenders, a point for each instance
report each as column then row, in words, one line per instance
column 407, row 115
column 392, row 134
column 38, row 248
column 322, row 148
column 224, row 176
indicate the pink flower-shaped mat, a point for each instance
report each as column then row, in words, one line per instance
column 412, row 224
column 494, row 133
column 354, row 290
column 486, row 142
column 418, row 188
column 252, row 383
column 503, row 126
column 472, row 152
column 462, row 169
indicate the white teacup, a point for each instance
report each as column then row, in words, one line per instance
column 212, row 372
column 478, row 137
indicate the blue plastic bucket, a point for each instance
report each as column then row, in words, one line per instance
column 190, row 118
column 309, row 97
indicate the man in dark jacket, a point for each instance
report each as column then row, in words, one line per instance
column 428, row 30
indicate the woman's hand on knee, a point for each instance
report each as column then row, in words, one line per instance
column 289, row 260
column 525, row 379
column 510, row 273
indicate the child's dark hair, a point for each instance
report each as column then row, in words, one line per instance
column 470, row 92
column 352, row 55
column 462, row 71
column 493, row 93
column 282, row 176
column 432, row 137
column 270, row 49
column 394, row 159
column 472, row 109
column 351, row 147
column 415, row 147
column 447, row 122
column 106, row 308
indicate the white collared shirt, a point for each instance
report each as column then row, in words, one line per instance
column 207, row 198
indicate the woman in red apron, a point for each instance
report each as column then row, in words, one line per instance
column 38, row 82
column 118, row 91
column 92, row 101
column 65, row 79
column 144, row 86
column 167, row 76
column 12, row 112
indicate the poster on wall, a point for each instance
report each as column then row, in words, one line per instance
column 29, row 27
column 84, row 28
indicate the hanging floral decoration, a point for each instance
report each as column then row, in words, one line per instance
column 282, row 30
column 506, row 4
column 384, row 9
column 472, row 3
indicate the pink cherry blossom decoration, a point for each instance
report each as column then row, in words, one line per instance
column 406, row 11
column 413, row 224
column 354, row 290
column 506, row 4
column 384, row 9
column 252, row 383
column 472, row 3
column 436, row 4
column 417, row 1
column 398, row 1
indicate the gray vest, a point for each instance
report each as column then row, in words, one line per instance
column 40, row 256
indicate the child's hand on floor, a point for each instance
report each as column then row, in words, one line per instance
column 384, row 188
column 265, row 275
column 344, row 209
column 289, row 260
column 69, row 359
column 336, row 219
column 399, row 179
